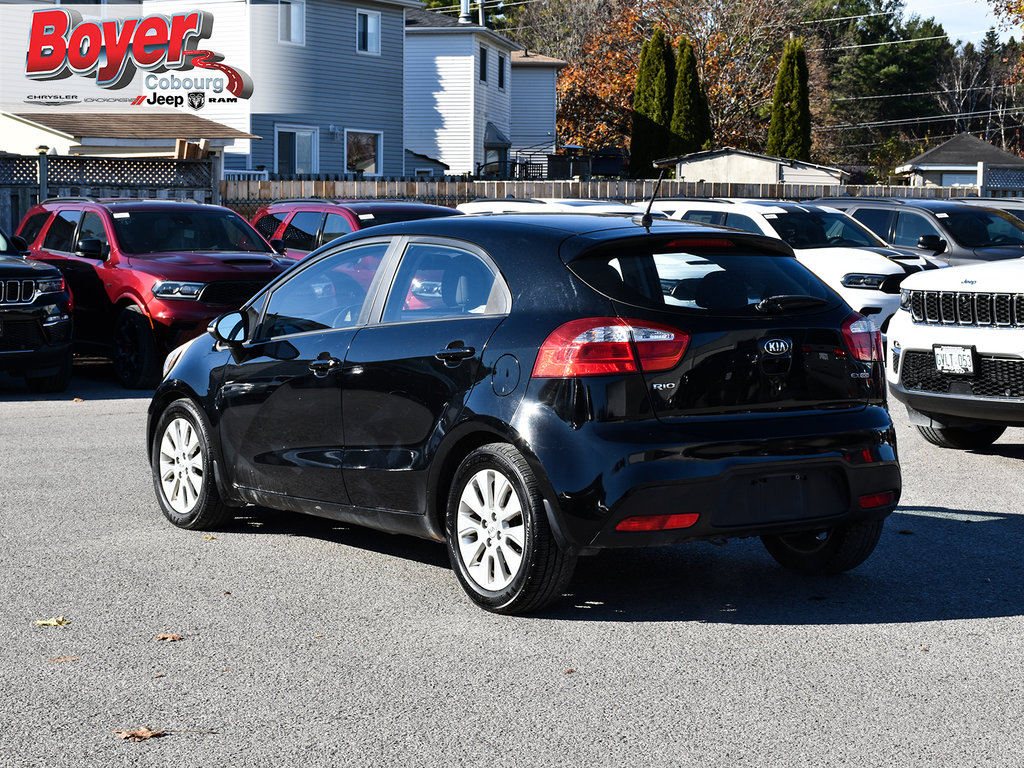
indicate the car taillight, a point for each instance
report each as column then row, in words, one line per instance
column 863, row 339
column 602, row 346
column 658, row 522
column 877, row 500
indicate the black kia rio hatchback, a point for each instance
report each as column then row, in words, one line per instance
column 532, row 388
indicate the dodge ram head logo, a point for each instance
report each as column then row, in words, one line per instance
column 196, row 99
column 777, row 346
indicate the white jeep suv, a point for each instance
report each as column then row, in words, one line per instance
column 956, row 352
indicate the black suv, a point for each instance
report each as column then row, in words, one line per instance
column 535, row 387
column 35, row 319
column 955, row 232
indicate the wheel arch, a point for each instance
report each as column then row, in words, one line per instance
column 460, row 442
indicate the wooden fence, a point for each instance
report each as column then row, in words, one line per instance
column 247, row 195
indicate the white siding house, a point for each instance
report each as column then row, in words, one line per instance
column 737, row 166
column 458, row 94
column 534, row 104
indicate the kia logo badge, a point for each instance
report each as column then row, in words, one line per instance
column 777, row 346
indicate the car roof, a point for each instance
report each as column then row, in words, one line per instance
column 356, row 205
column 514, row 230
column 927, row 204
column 130, row 203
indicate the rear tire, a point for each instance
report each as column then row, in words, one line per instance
column 183, row 475
column 136, row 361
column 55, row 382
column 833, row 550
column 966, row 438
column 499, row 541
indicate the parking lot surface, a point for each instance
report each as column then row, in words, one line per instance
column 304, row 642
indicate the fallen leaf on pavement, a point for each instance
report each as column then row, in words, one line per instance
column 158, row 675
column 142, row 734
column 58, row 659
column 169, row 638
column 77, row 399
column 57, row 621
column 568, row 671
column 210, row 538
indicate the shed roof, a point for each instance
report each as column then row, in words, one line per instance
column 121, row 126
column 963, row 149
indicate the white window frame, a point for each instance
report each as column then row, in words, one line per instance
column 296, row 7
column 294, row 128
column 361, row 12
column 380, row 151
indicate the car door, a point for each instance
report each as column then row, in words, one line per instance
column 408, row 377
column 281, row 424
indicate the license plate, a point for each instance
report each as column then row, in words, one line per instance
column 959, row 360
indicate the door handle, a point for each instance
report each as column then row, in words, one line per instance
column 454, row 355
column 322, row 367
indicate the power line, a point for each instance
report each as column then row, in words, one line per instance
column 925, row 119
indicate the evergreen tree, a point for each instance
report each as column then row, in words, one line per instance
column 651, row 136
column 789, row 134
column 691, row 115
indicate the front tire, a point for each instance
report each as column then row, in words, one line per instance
column 499, row 541
column 182, row 464
column 136, row 361
column 832, row 550
column 966, row 438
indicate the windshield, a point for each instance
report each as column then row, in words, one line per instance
column 165, row 231
column 979, row 228
column 821, row 229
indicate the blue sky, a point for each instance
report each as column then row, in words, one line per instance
column 967, row 20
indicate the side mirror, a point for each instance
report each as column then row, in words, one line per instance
column 19, row 244
column 278, row 245
column 90, row 248
column 232, row 328
column 932, row 243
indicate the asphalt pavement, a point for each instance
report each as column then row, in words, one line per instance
column 305, row 642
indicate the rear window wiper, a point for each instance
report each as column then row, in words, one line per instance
column 783, row 302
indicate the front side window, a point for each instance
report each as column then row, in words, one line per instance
column 302, row 230
column 292, row 21
column 61, row 234
column 368, row 31
column 92, row 228
column 296, row 149
column 439, row 281
column 978, row 228
column 362, row 152
column 911, row 227
column 327, row 295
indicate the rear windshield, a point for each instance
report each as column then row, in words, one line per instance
column 166, row 231
column 731, row 279
column 821, row 229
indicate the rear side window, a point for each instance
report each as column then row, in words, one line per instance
column 876, row 220
column 31, row 229
column 267, row 224
column 61, row 234
column 713, row 275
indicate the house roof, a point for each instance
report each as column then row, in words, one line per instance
column 421, row 20
column 710, row 153
column 965, row 150
column 525, row 58
column 120, row 126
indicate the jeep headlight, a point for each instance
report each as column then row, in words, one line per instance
column 50, row 284
column 172, row 289
column 855, row 280
column 905, row 299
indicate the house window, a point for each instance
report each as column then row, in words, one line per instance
column 292, row 21
column 483, row 64
column 368, row 31
column 501, row 71
column 362, row 152
column 969, row 179
column 296, row 149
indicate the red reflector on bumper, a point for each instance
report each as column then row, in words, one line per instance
column 657, row 522
column 877, row 500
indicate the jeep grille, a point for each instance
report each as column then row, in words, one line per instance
column 964, row 308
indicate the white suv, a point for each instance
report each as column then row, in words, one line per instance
column 956, row 352
column 851, row 259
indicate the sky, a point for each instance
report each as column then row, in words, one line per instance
column 967, row 20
